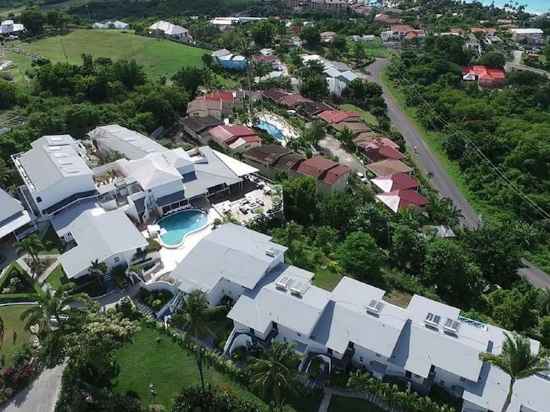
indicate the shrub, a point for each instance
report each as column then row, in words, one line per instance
column 194, row 399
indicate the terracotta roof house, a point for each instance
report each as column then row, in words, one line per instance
column 485, row 76
column 198, row 125
column 398, row 32
column 366, row 137
column 288, row 163
column 274, row 94
column 331, row 176
column 235, row 137
column 284, row 98
column 338, row 116
column 389, row 167
column 400, row 181
column 264, row 157
column 377, row 150
column 217, row 104
column 402, row 199
column 311, row 109
column 386, row 19
column 266, row 59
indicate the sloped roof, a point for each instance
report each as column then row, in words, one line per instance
column 337, row 116
column 168, row 28
column 402, row 199
column 315, row 166
column 334, row 174
column 400, row 181
column 268, row 153
column 99, row 235
column 388, row 167
column 129, row 143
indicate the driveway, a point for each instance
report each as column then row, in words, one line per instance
column 41, row 396
column 334, row 147
column 440, row 180
column 423, row 157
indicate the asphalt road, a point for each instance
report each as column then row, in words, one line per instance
column 440, row 180
column 423, row 157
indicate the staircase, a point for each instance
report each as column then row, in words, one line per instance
column 144, row 309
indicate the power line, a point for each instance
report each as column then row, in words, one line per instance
column 478, row 151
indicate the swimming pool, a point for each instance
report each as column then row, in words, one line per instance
column 174, row 228
column 274, row 131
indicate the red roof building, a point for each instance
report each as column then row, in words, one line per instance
column 377, row 150
column 402, row 199
column 315, row 166
column 224, row 96
column 330, row 176
column 335, row 174
column 235, row 137
column 485, row 76
column 338, row 116
column 400, row 181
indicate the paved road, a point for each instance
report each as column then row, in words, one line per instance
column 516, row 65
column 424, row 158
column 441, row 181
column 41, row 396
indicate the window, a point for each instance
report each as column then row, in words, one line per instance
column 377, row 355
column 299, row 334
column 117, row 259
column 442, row 382
column 408, row 374
column 38, row 199
column 360, row 359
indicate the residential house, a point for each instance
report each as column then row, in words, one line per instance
column 389, row 167
column 172, row 31
column 218, row 104
column 226, row 23
column 117, row 25
column 108, row 237
column 333, row 117
column 55, row 175
column 333, row 5
column 13, row 216
column 400, row 32
column 198, row 126
column 230, row 61
column 357, row 128
column 485, row 76
column 533, row 37
column 10, row 28
column 399, row 181
column 401, row 199
column 386, row 19
column 328, row 37
column 120, row 141
column 264, row 157
column 311, row 109
column 338, row 74
column 236, row 138
column 378, row 149
column 329, row 175
column 284, row 98
column 227, row 262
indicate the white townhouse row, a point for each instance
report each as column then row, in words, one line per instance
column 426, row 343
column 338, row 75
column 146, row 182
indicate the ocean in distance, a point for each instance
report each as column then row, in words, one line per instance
column 533, row 6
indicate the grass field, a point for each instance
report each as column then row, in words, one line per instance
column 159, row 57
column 57, row 278
column 326, row 279
column 341, row 404
column 12, row 323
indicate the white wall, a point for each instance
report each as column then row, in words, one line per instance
column 225, row 288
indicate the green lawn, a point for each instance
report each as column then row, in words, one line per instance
column 341, row 404
column 57, row 278
column 166, row 365
column 12, row 324
column 366, row 116
column 326, row 279
column 159, row 57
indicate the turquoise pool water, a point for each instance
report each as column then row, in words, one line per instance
column 275, row 132
column 180, row 224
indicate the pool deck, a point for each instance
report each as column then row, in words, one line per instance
column 170, row 257
column 279, row 122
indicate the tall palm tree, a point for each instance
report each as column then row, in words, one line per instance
column 195, row 312
column 32, row 245
column 516, row 360
column 274, row 374
column 53, row 309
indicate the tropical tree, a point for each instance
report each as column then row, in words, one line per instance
column 274, row 373
column 517, row 361
column 31, row 245
column 195, row 314
column 98, row 270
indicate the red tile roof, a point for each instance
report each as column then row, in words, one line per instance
column 400, row 181
column 334, row 174
column 224, row 96
column 337, row 116
column 291, row 100
column 408, row 198
column 228, row 134
column 315, row 166
column 485, row 73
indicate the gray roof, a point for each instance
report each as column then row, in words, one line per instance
column 61, row 221
column 50, row 160
column 9, row 207
column 99, row 235
column 129, row 143
column 232, row 252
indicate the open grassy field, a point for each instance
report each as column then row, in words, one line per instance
column 15, row 335
column 159, row 57
column 154, row 358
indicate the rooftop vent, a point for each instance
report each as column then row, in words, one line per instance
column 272, row 252
column 375, row 307
column 282, row 283
column 432, row 320
column 451, row 326
column 299, row 288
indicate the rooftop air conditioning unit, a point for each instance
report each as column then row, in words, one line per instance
column 375, row 307
column 272, row 252
column 451, row 326
column 432, row 320
column 282, row 283
column 299, row 288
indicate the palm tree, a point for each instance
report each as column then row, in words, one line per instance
column 32, row 245
column 516, row 360
column 274, row 374
column 53, row 309
column 195, row 312
column 98, row 270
